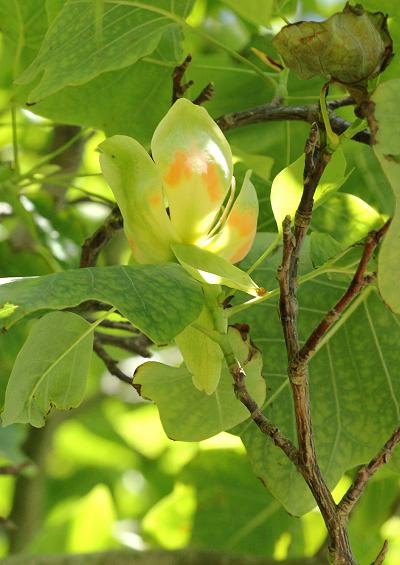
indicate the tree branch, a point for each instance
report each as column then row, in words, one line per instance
column 95, row 243
column 136, row 345
column 357, row 488
column 13, row 469
column 179, row 89
column 358, row 282
column 382, row 554
column 307, row 113
column 317, row 158
column 267, row 428
column 110, row 363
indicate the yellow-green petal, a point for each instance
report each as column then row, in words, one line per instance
column 137, row 187
column 195, row 162
column 236, row 237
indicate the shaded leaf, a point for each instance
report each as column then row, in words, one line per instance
column 50, row 370
column 160, row 300
column 190, row 415
column 76, row 48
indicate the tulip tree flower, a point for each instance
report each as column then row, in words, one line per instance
column 177, row 205
column 191, row 175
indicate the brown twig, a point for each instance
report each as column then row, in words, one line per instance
column 116, row 325
column 136, row 345
column 358, row 282
column 271, row 113
column 357, row 488
column 267, row 428
column 179, row 89
column 205, row 95
column 110, row 363
column 382, row 554
column 13, row 469
column 95, row 243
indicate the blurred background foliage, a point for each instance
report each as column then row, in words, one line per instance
column 105, row 476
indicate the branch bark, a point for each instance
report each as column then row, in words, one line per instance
column 309, row 113
column 95, row 243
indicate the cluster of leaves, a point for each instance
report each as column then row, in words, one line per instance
column 108, row 65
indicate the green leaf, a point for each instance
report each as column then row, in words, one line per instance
column 212, row 269
column 204, row 504
column 389, row 254
column 50, row 370
column 190, row 415
column 223, row 483
column 323, row 247
column 387, row 149
column 386, row 98
column 257, row 12
column 354, row 381
column 81, row 44
column 160, row 300
column 287, row 186
column 202, row 356
column 346, row 217
column 11, row 440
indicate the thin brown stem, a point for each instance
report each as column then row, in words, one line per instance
column 382, row 554
column 359, row 281
column 364, row 474
column 272, row 112
column 110, row 363
column 205, row 95
column 266, row 427
column 13, row 469
column 136, row 345
column 179, row 88
column 95, row 243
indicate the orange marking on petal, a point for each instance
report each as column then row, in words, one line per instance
column 212, row 182
column 132, row 244
column 243, row 221
column 155, row 200
column 241, row 252
column 177, row 169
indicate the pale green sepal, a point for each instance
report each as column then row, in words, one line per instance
column 202, row 355
column 287, row 186
column 190, row 415
column 136, row 184
column 212, row 269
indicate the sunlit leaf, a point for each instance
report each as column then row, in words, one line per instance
column 212, row 269
column 287, row 186
column 50, row 370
